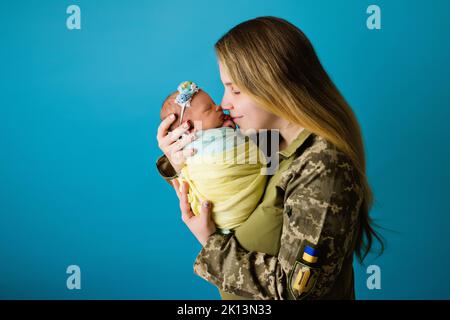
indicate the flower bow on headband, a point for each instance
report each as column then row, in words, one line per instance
column 186, row 91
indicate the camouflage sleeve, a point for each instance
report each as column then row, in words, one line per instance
column 321, row 207
column 165, row 169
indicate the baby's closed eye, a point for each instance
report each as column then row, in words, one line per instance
column 207, row 108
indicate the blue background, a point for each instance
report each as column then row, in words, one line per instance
column 78, row 117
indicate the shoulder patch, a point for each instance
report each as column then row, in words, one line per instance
column 302, row 280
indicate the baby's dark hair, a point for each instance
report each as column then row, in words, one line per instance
column 169, row 106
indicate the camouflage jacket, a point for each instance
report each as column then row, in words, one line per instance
column 321, row 203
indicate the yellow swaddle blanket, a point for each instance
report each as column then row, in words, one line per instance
column 228, row 170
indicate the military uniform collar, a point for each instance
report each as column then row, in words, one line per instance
column 302, row 136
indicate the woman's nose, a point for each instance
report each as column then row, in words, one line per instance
column 219, row 108
column 227, row 106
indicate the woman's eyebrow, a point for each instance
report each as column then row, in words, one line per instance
column 228, row 83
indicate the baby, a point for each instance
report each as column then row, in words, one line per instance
column 227, row 168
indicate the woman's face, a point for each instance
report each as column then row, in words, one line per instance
column 245, row 112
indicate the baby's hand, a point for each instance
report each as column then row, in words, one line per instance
column 228, row 122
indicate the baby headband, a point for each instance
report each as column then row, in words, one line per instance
column 186, row 91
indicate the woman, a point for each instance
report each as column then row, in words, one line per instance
column 299, row 242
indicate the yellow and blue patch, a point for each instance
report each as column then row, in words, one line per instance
column 310, row 254
column 303, row 276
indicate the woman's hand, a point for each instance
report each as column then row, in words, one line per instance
column 201, row 226
column 171, row 145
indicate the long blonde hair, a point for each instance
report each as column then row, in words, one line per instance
column 273, row 62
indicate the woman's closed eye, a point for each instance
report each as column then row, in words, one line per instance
column 235, row 91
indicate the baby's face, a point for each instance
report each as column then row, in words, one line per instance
column 203, row 110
